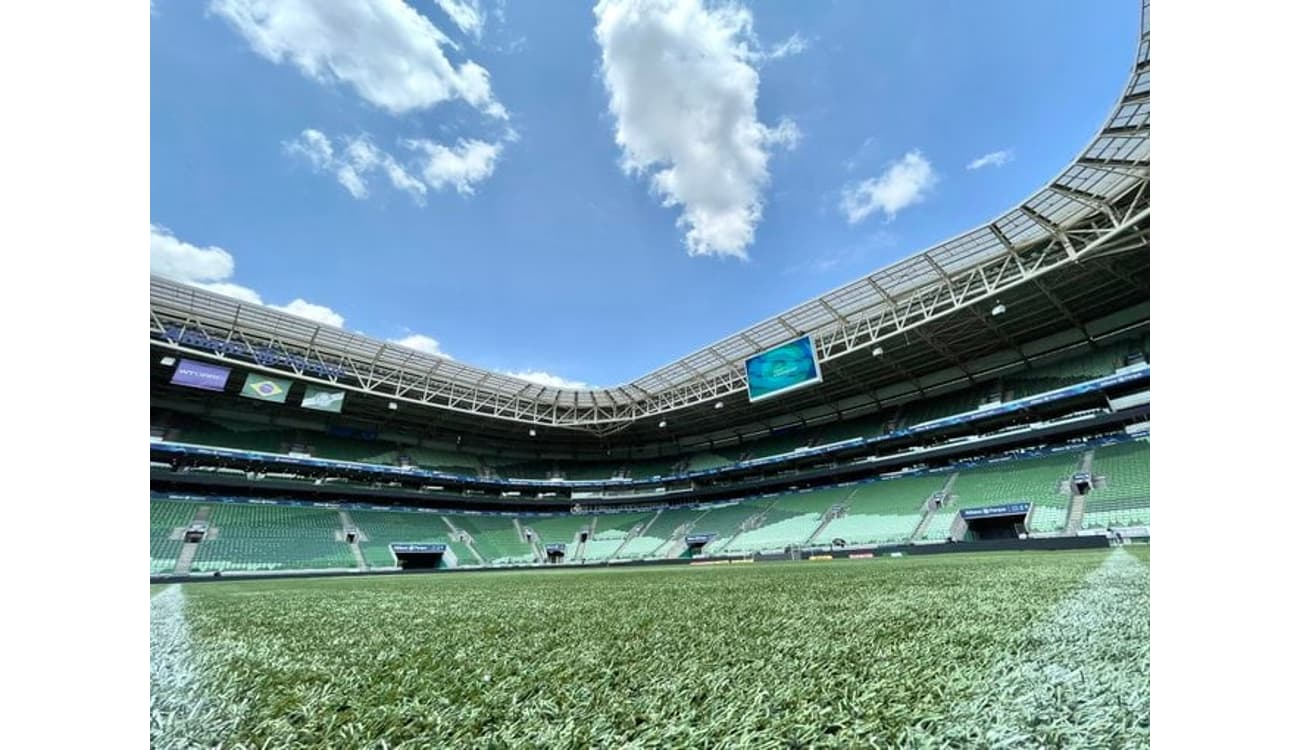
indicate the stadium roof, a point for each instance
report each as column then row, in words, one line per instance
column 1097, row 206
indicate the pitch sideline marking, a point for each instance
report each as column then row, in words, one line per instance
column 178, row 711
column 1079, row 674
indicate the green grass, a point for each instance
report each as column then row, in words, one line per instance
column 987, row 650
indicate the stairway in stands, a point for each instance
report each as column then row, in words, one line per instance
column 531, row 541
column 835, row 511
column 345, row 519
column 186, row 558
column 462, row 536
column 636, row 532
column 924, row 525
column 1078, row 503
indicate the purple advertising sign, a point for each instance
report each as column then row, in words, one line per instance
column 198, row 375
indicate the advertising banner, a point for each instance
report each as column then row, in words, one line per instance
column 265, row 388
column 199, row 375
column 322, row 400
column 418, row 548
column 1011, row 509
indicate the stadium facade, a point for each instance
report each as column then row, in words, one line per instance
column 992, row 387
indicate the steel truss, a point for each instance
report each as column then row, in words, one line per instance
column 1097, row 207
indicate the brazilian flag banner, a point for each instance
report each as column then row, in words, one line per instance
column 265, row 388
column 322, row 400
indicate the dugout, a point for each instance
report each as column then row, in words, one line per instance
column 995, row 522
column 418, row 556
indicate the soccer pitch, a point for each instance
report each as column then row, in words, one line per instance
column 968, row 650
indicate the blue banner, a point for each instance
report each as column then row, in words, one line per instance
column 417, row 548
column 992, row 511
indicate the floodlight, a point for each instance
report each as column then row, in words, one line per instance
column 998, row 309
column 532, row 432
column 167, row 361
column 718, row 405
column 392, row 406
column 877, row 352
column 663, row 423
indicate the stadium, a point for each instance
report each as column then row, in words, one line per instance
column 909, row 477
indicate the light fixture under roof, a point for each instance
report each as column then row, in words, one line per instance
column 532, row 432
column 663, row 423
column 718, row 405
column 877, row 352
column 998, row 309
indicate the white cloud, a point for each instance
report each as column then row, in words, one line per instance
column 789, row 48
column 995, row 159
column 682, row 93
column 466, row 14
column 549, row 380
column 905, row 183
column 421, row 343
column 177, row 259
column 211, row 268
column 352, row 159
column 384, row 49
column 319, row 313
column 241, row 293
column 460, row 167
column 786, row 134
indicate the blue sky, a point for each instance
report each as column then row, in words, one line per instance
column 493, row 176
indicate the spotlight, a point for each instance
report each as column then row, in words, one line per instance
column 998, row 309
column 392, row 406
column 663, row 423
column 877, row 352
column 532, row 432
column 718, row 405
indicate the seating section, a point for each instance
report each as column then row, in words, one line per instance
column 940, row 527
column 526, row 469
column 653, row 541
column 1117, row 513
column 590, row 471
column 557, row 530
column 165, row 516
column 654, row 467
column 382, row 528
column 883, row 512
column 791, row 520
column 265, row 537
column 706, row 461
column 1073, row 369
column 438, row 459
column 725, row 521
column 612, row 530
column 495, row 538
column 1122, row 480
column 271, row 537
column 785, row 442
column 230, row 434
column 940, row 407
column 1042, row 481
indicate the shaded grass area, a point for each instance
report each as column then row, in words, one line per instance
column 881, row 653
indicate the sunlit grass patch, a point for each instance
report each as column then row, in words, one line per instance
column 872, row 653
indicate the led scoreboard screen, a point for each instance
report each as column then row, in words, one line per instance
column 787, row 367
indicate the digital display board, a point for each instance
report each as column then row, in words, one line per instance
column 787, row 367
column 200, row 375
